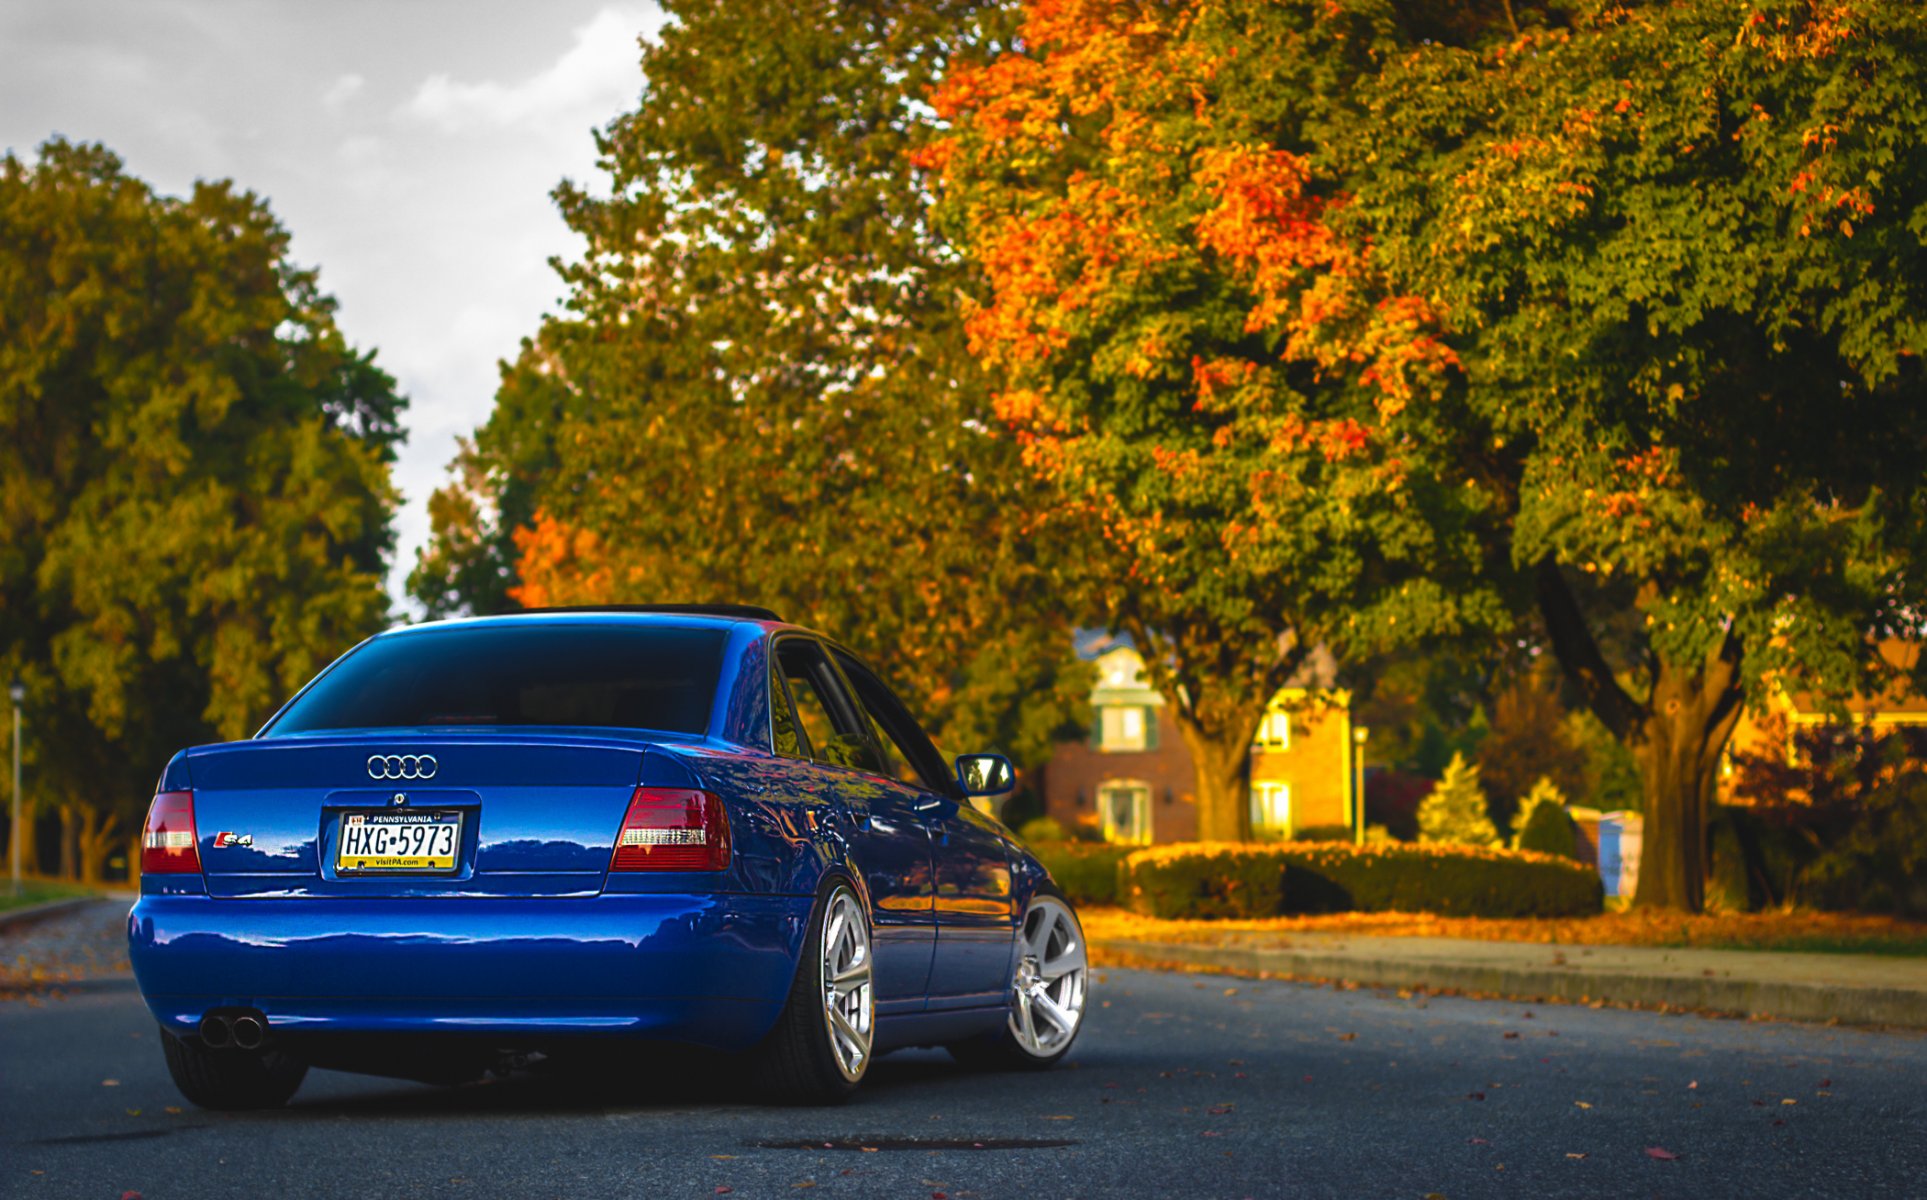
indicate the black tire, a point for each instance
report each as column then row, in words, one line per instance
column 796, row 1064
column 231, row 1080
column 1000, row 1050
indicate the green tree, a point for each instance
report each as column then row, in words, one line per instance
column 1542, row 823
column 1455, row 811
column 1680, row 246
column 193, row 475
column 761, row 392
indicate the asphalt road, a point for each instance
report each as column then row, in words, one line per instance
column 1180, row 1086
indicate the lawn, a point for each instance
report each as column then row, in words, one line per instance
column 39, row 891
column 1814, row 932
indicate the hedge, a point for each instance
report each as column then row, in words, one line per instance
column 1086, row 872
column 1206, row 880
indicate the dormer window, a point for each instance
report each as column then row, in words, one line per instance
column 1274, row 732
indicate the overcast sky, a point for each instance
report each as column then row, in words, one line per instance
column 408, row 145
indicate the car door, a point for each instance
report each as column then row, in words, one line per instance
column 975, row 907
column 815, row 720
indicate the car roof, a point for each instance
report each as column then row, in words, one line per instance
column 685, row 616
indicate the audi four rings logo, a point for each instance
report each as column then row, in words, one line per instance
column 401, row 766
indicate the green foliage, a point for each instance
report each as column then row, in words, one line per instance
column 1455, row 812
column 194, row 491
column 1681, row 249
column 1220, row 881
column 1612, row 773
column 1042, row 830
column 1542, row 823
column 761, row 390
column 1878, row 863
column 1087, row 872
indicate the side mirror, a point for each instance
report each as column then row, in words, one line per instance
column 985, row 774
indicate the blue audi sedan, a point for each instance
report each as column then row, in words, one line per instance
column 481, row 843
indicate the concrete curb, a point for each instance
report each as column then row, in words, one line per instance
column 19, row 917
column 1852, row 1005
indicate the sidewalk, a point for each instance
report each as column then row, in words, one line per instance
column 69, row 948
column 1856, row 989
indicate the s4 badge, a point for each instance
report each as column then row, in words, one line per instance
column 224, row 838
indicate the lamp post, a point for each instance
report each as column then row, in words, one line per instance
column 18, row 691
column 1359, row 734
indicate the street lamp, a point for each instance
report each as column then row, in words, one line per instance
column 1359, row 734
column 18, row 691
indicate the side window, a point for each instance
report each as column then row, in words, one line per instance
column 834, row 733
column 915, row 761
column 785, row 736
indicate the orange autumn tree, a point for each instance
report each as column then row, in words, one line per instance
column 1196, row 357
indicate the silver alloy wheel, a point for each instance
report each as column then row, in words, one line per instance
column 849, row 1006
column 1047, row 995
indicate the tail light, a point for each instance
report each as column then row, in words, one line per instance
column 167, row 841
column 672, row 829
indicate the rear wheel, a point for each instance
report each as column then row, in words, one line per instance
column 1048, row 989
column 231, row 1079
column 821, row 1046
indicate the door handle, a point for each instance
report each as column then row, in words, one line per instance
column 928, row 803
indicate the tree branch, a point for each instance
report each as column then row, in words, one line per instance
column 1579, row 655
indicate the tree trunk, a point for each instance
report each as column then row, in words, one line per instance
column 1222, row 764
column 1692, row 715
column 69, row 843
column 97, row 832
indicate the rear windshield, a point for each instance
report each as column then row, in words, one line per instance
column 642, row 678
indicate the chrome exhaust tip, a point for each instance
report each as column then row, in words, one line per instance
column 249, row 1032
column 217, row 1032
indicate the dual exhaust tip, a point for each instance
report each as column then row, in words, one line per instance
column 245, row 1029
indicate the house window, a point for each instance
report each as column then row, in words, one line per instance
column 1125, row 811
column 1126, row 727
column 1274, row 732
column 1271, row 808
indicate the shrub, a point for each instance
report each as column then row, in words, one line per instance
column 1086, row 872
column 1233, row 880
column 1455, row 811
column 1040, row 831
column 1323, row 833
column 1542, row 823
column 1880, row 864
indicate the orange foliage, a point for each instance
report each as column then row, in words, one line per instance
column 561, row 564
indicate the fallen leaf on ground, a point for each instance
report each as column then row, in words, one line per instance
column 1789, row 1100
column 110, row 1083
column 1661, row 1153
column 1347, row 1037
column 1570, row 1154
column 1580, row 1104
column 1475, row 1095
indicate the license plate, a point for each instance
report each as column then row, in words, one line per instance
column 398, row 841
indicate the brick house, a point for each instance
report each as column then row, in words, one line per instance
column 1133, row 781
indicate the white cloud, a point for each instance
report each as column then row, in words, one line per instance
column 594, row 79
column 342, row 90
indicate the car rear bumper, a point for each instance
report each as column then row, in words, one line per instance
column 709, row 969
